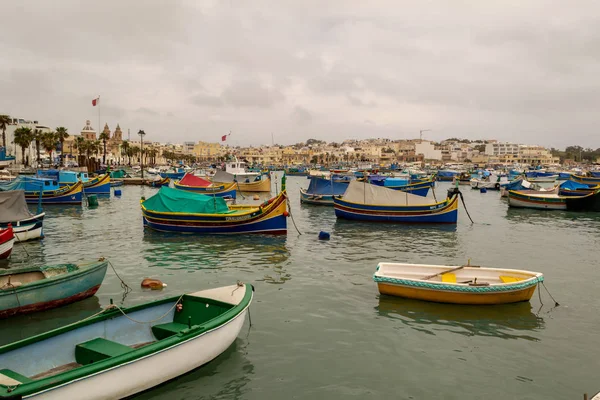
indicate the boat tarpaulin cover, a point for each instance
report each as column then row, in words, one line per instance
column 181, row 201
column 365, row 193
column 571, row 185
column 192, row 180
column 320, row 186
column 13, row 206
column 29, row 184
column 223, row 177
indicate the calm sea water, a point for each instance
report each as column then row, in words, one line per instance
column 320, row 329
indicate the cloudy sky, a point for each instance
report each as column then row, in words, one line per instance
column 524, row 71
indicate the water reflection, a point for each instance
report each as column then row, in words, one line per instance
column 205, row 252
column 526, row 215
column 224, row 378
column 24, row 326
column 71, row 210
column 507, row 321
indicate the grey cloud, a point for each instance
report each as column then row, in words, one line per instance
column 202, row 99
column 301, row 115
column 146, row 111
column 251, row 94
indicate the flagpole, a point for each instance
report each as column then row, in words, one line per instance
column 98, row 102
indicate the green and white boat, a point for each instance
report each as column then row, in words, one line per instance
column 123, row 351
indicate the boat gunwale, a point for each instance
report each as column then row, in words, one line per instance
column 440, row 207
column 53, row 382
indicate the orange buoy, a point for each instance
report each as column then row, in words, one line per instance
column 286, row 214
column 153, row 284
column 256, row 197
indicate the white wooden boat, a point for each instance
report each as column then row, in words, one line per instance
column 456, row 284
column 125, row 351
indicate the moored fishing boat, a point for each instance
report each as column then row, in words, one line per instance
column 192, row 183
column 30, row 289
column 46, row 190
column 321, row 191
column 365, row 202
column 456, row 284
column 491, row 182
column 114, row 183
column 160, row 182
column 244, row 183
column 97, row 185
column 588, row 180
column 537, row 176
column 14, row 212
column 418, row 188
column 112, row 355
column 554, row 201
column 7, row 240
column 175, row 210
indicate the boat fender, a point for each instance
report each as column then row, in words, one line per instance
column 497, row 186
column 256, row 197
column 286, row 214
column 179, row 307
column 153, row 284
column 324, row 235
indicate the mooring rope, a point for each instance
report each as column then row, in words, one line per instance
column 465, row 206
column 126, row 288
column 292, row 216
column 555, row 302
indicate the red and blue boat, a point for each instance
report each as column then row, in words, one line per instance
column 172, row 210
column 365, row 202
column 192, row 183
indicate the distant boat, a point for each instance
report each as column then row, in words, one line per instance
column 31, row 289
column 491, row 182
column 365, row 202
column 48, row 190
column 245, row 183
column 456, row 284
column 536, row 176
column 160, row 182
column 173, row 173
column 5, row 160
column 173, row 210
column 112, row 356
column 554, row 201
column 14, row 212
column 589, row 180
column 321, row 191
column 192, row 183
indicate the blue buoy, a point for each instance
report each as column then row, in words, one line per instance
column 483, row 190
column 324, row 235
column 117, row 192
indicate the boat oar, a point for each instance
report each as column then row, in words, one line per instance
column 449, row 270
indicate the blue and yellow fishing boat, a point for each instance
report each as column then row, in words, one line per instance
column 365, row 202
column 48, row 191
column 159, row 182
column 173, row 210
column 97, row 185
column 192, row 183
column 588, row 180
column 465, row 284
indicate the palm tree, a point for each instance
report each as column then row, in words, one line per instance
column 61, row 135
column 23, row 138
column 4, row 121
column 104, row 136
column 80, row 147
column 37, row 136
column 125, row 149
column 135, row 151
column 49, row 140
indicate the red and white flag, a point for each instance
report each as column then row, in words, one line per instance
column 96, row 101
column 223, row 138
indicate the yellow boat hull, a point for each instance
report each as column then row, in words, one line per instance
column 264, row 185
column 440, row 296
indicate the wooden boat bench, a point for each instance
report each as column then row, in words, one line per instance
column 99, row 349
column 12, row 378
column 195, row 312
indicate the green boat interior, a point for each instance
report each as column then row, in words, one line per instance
column 108, row 338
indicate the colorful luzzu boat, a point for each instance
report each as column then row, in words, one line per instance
column 321, row 191
column 248, row 183
column 98, row 185
column 172, row 210
column 365, row 202
column 554, row 201
column 459, row 284
column 47, row 191
column 192, row 183
column 15, row 213
column 158, row 183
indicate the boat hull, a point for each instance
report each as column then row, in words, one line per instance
column 28, row 229
column 456, row 298
column 441, row 213
column 226, row 190
column 72, row 194
column 321, row 200
column 522, row 200
column 588, row 180
column 419, row 189
column 264, row 185
column 98, row 185
column 52, row 292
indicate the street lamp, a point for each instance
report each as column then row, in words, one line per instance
column 142, row 133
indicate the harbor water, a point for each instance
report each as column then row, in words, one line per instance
column 320, row 330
